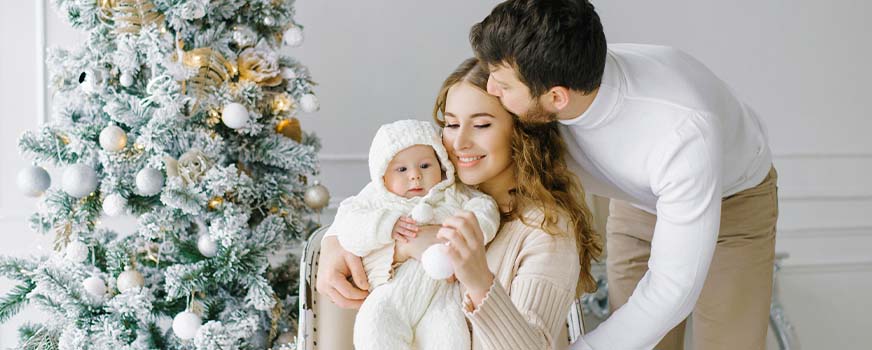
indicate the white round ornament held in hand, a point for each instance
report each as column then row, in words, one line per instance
column 33, row 180
column 130, row 279
column 422, row 213
column 293, row 37
column 309, row 103
column 79, row 180
column 126, row 79
column 76, row 251
column 234, row 115
column 186, row 324
column 149, row 181
column 113, row 139
column 436, row 263
column 207, row 246
column 95, row 286
column 114, row 204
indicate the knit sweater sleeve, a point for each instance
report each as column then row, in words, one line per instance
column 486, row 212
column 530, row 312
column 362, row 225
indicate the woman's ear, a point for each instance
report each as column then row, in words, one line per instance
column 556, row 99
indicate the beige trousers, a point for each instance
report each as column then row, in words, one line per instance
column 733, row 309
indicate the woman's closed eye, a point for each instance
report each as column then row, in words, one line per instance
column 482, row 126
column 452, row 126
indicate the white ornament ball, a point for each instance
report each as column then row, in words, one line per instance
column 293, row 37
column 33, row 180
column 289, row 73
column 113, row 138
column 76, row 251
column 317, row 196
column 79, row 180
column 95, row 286
column 309, row 103
column 234, row 115
column 126, row 79
column 130, row 279
column 422, row 213
column 149, row 181
column 113, row 204
column 207, row 246
column 186, row 324
column 90, row 80
column 436, row 262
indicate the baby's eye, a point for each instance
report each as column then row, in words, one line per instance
column 425, row 165
column 401, row 169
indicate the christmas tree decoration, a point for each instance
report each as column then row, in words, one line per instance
column 193, row 165
column 136, row 128
column 90, row 80
column 114, row 204
column 286, row 338
column 293, row 36
column 76, row 251
column 95, row 286
column 317, row 197
column 130, row 279
column 149, row 181
column 126, row 79
column 234, row 115
column 113, row 138
column 207, row 246
column 133, row 15
column 260, row 65
column 309, row 103
column 33, row 180
column 186, row 324
column 79, row 180
column 290, row 128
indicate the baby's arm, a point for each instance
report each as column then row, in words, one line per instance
column 486, row 212
column 362, row 227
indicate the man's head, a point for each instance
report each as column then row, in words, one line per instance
column 540, row 53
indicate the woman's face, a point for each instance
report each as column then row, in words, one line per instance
column 477, row 134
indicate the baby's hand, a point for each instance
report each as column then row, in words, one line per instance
column 404, row 229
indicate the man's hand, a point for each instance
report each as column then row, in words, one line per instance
column 334, row 267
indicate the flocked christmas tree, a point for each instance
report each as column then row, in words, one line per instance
column 180, row 113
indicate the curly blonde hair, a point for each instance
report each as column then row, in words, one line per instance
column 542, row 177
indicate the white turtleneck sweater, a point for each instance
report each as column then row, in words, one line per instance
column 669, row 136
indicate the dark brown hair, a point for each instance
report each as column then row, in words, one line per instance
column 548, row 42
column 542, row 177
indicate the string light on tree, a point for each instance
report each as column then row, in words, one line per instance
column 33, row 180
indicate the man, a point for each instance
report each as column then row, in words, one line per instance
column 686, row 164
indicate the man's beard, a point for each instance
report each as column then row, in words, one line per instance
column 537, row 115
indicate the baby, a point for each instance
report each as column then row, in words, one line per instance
column 410, row 175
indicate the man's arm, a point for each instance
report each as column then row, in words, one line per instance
column 335, row 265
column 686, row 178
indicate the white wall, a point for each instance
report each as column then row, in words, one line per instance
column 802, row 64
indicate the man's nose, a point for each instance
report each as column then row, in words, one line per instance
column 492, row 87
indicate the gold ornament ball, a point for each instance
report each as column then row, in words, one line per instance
column 290, row 128
column 216, row 202
column 317, row 197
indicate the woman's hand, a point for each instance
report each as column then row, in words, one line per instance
column 467, row 252
column 335, row 265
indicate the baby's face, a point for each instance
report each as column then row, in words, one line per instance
column 413, row 172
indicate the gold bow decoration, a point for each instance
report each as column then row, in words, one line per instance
column 212, row 68
column 132, row 15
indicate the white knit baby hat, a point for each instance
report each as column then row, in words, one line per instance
column 392, row 138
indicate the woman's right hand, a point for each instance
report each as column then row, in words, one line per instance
column 335, row 265
column 414, row 247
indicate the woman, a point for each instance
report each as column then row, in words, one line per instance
column 519, row 289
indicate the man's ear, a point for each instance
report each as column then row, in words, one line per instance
column 556, row 98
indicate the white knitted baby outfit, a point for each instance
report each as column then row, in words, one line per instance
column 408, row 310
